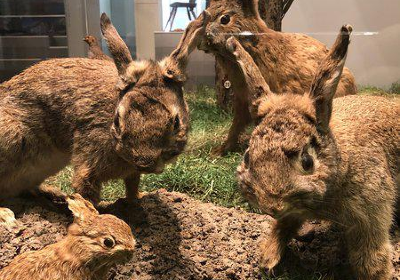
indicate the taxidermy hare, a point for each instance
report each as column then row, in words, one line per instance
column 312, row 157
column 93, row 245
column 65, row 111
column 287, row 61
column 95, row 51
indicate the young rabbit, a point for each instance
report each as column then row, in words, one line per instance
column 93, row 245
column 63, row 111
column 287, row 61
column 95, row 51
column 312, row 157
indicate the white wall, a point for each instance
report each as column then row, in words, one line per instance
column 374, row 59
column 82, row 19
column 148, row 20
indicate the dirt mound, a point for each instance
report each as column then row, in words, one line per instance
column 181, row 238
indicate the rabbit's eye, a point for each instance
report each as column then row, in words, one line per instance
column 291, row 153
column 116, row 123
column 307, row 162
column 225, row 19
column 176, row 123
column 108, row 242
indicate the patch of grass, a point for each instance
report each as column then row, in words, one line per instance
column 366, row 89
column 394, row 90
column 196, row 172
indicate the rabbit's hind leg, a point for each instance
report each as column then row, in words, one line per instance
column 86, row 183
column 370, row 249
column 241, row 120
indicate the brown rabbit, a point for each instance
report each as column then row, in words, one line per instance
column 95, row 51
column 69, row 110
column 93, row 245
column 287, row 61
column 304, row 164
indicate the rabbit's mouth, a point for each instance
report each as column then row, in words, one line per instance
column 207, row 44
column 245, row 185
column 126, row 256
column 156, row 169
column 120, row 257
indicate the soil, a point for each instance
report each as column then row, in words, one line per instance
column 181, row 238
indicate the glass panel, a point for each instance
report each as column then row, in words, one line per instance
column 30, row 31
column 181, row 19
column 122, row 14
column 22, row 26
column 32, row 7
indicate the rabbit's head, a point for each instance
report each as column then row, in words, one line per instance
column 151, row 121
column 97, row 240
column 239, row 18
column 292, row 155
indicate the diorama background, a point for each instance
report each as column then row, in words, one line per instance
column 33, row 30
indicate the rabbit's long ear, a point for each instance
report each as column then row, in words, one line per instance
column 250, row 7
column 119, row 50
column 174, row 66
column 327, row 78
column 81, row 208
column 255, row 82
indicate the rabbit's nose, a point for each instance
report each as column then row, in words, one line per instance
column 128, row 254
column 273, row 212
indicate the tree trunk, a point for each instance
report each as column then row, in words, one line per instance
column 272, row 12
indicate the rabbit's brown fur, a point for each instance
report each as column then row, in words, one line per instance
column 93, row 245
column 69, row 110
column 303, row 164
column 287, row 61
column 95, row 51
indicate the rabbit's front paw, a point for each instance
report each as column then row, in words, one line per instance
column 218, row 151
column 7, row 219
column 140, row 195
column 224, row 149
column 270, row 256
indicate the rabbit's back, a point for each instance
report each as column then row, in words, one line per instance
column 68, row 80
column 60, row 94
column 41, row 265
column 367, row 129
column 288, row 62
column 43, row 109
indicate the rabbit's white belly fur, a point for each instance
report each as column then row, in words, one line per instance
column 31, row 174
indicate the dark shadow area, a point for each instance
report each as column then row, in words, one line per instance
column 320, row 255
column 158, row 233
